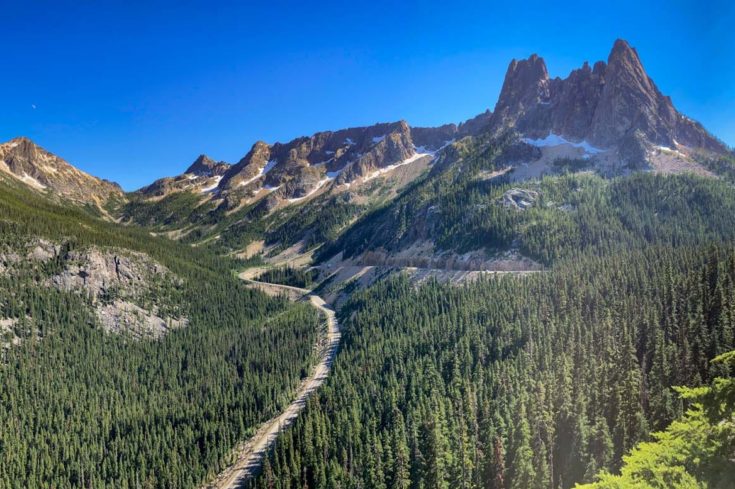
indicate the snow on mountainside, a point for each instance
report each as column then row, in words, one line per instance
column 611, row 114
column 613, row 106
column 293, row 172
column 43, row 171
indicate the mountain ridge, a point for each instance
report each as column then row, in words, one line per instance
column 615, row 104
column 612, row 110
column 40, row 169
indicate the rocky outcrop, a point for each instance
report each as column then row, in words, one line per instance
column 97, row 272
column 204, row 166
column 610, row 105
column 123, row 289
column 41, row 170
column 289, row 172
column 128, row 291
column 202, row 176
column 249, row 169
column 297, row 167
column 519, row 198
column 126, row 317
column 473, row 126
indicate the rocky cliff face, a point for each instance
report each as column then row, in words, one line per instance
column 612, row 111
column 41, row 170
column 204, row 166
column 298, row 168
column 202, row 176
column 611, row 105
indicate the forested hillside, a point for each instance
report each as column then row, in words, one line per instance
column 694, row 451
column 511, row 382
column 81, row 407
column 461, row 207
column 534, row 293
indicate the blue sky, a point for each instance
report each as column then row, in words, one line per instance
column 134, row 91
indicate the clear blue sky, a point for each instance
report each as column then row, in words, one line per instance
column 133, row 91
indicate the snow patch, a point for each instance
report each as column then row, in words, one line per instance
column 666, row 149
column 349, row 141
column 425, row 150
column 263, row 171
column 213, row 187
column 556, row 140
column 319, row 185
column 378, row 139
column 26, row 178
column 392, row 167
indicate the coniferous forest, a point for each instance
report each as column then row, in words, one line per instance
column 83, row 408
column 267, row 245
column 542, row 381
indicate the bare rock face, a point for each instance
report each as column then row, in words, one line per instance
column 525, row 89
column 393, row 147
column 126, row 317
column 630, row 101
column 519, row 198
column 119, row 287
column 611, row 105
column 201, row 176
column 473, row 126
column 292, row 171
column 248, row 168
column 204, row 166
column 41, row 170
column 576, row 101
column 96, row 272
column 123, row 287
column 434, row 138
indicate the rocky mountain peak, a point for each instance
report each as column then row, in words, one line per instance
column 630, row 101
column 27, row 162
column 206, row 166
column 526, row 84
column 624, row 53
column 609, row 105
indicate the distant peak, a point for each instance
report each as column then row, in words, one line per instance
column 206, row 166
column 534, row 67
column 622, row 52
column 525, row 84
column 621, row 45
column 21, row 140
column 202, row 164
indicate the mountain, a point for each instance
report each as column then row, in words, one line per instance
column 613, row 107
column 207, row 167
column 202, row 176
column 27, row 162
column 584, row 300
column 105, row 322
column 610, row 118
column 297, row 169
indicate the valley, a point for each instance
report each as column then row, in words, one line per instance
column 541, row 296
column 249, row 456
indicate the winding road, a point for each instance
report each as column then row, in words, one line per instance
column 250, row 454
